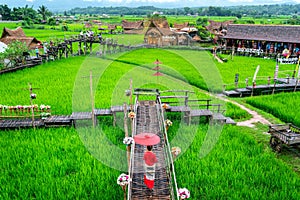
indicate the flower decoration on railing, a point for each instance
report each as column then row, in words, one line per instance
column 44, row 115
column 165, row 106
column 128, row 140
column 168, row 122
column 175, row 151
column 33, row 96
column 20, row 107
column 123, row 180
column 43, row 107
column 131, row 115
column 12, row 107
column 183, row 193
column 3, row 107
column 24, row 107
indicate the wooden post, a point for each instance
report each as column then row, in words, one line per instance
column 128, row 148
column 296, row 85
column 84, row 47
column 31, row 105
column 79, row 48
column 125, row 120
column 130, row 88
column 91, row 47
column 71, row 47
column 92, row 98
column 274, row 86
column 186, row 101
column 253, row 85
column 66, row 53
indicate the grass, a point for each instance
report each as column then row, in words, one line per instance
column 245, row 67
column 237, row 167
column 54, row 163
column 279, row 105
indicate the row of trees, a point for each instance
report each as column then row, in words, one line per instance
column 238, row 11
column 24, row 13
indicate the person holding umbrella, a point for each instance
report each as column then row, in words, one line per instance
column 150, row 160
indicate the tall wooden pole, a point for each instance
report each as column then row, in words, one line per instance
column 130, row 88
column 92, row 98
column 31, row 105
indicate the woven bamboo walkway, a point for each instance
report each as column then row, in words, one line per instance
column 283, row 85
column 147, row 121
column 52, row 121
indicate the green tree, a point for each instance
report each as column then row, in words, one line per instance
column 44, row 12
column 187, row 10
column 5, row 11
column 13, row 53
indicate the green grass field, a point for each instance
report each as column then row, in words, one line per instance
column 54, row 164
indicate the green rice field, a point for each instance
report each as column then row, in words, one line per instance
column 54, row 163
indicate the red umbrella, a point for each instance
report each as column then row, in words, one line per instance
column 147, row 139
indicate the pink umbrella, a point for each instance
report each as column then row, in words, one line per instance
column 147, row 139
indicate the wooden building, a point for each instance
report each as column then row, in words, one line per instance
column 160, row 34
column 266, row 39
column 135, row 27
column 218, row 29
column 9, row 36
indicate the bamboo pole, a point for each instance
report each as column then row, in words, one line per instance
column 92, row 98
column 32, row 110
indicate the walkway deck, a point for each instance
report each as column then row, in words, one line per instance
column 147, row 121
column 283, row 85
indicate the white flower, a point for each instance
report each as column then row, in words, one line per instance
column 123, row 179
column 168, row 122
column 131, row 115
column 176, row 151
column 184, row 193
column 33, row 96
column 165, row 106
column 42, row 107
column 128, row 140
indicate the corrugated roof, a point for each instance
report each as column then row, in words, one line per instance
column 274, row 33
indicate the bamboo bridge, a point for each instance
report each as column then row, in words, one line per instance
column 150, row 119
column 12, row 119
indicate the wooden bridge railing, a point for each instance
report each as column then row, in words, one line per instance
column 168, row 155
column 20, row 111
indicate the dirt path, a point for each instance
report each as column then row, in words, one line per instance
column 255, row 116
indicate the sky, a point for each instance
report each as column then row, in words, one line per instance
column 69, row 4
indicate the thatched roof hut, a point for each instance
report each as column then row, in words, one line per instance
column 127, row 25
column 158, row 34
column 216, row 28
column 9, row 36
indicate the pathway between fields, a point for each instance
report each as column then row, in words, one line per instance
column 255, row 116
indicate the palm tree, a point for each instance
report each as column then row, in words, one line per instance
column 43, row 10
